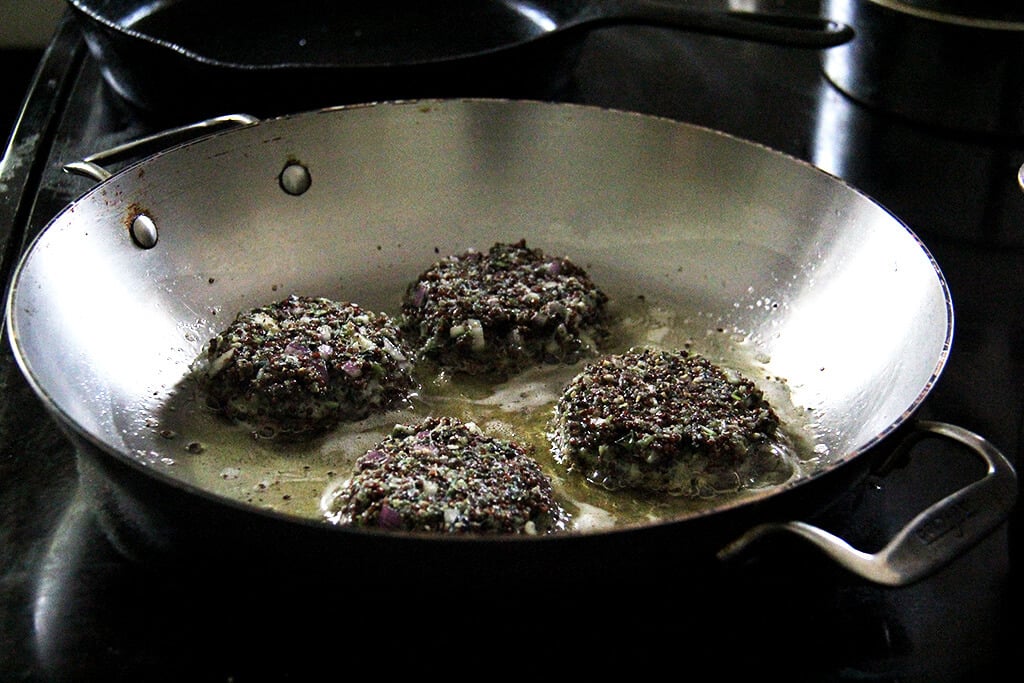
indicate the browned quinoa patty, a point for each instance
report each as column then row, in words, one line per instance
column 504, row 310
column 443, row 475
column 665, row 421
column 302, row 365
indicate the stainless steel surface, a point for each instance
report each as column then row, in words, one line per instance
column 798, row 264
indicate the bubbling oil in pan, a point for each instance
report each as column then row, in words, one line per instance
column 205, row 450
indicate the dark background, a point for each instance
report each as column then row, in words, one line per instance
column 17, row 65
column 960, row 626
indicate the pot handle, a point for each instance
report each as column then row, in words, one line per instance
column 779, row 28
column 934, row 537
column 89, row 167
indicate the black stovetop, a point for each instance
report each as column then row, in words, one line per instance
column 72, row 608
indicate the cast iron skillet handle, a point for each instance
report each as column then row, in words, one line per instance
column 89, row 167
column 795, row 30
column 934, row 537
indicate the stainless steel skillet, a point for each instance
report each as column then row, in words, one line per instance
column 770, row 261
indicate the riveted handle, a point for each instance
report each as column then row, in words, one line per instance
column 933, row 538
column 89, row 167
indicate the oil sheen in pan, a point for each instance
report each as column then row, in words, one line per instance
column 202, row 449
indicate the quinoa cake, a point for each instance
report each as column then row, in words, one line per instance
column 443, row 475
column 300, row 366
column 504, row 310
column 666, row 421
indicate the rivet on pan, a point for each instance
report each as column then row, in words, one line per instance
column 143, row 231
column 295, row 179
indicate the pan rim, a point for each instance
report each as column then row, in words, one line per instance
column 751, row 499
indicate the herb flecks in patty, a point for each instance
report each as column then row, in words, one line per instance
column 504, row 310
column 300, row 366
column 665, row 421
column 446, row 476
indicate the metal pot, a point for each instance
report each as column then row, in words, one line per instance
column 777, row 266
column 951, row 64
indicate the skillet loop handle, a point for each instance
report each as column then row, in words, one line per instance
column 791, row 29
column 786, row 29
column 90, row 168
column 935, row 537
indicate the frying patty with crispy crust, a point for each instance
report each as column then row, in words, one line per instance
column 300, row 366
column 443, row 475
column 665, row 421
column 504, row 310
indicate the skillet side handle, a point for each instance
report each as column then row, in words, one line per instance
column 788, row 29
column 90, row 168
column 935, row 537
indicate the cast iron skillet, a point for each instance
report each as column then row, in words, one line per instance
column 168, row 54
column 772, row 264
